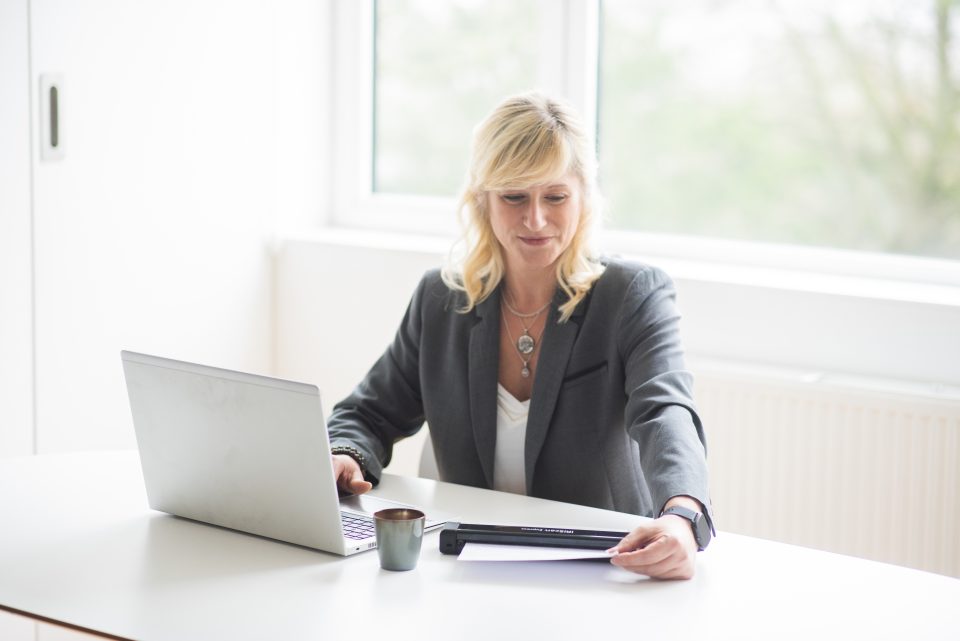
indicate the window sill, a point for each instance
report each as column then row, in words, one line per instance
column 822, row 324
column 838, row 273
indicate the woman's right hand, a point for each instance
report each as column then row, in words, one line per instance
column 349, row 475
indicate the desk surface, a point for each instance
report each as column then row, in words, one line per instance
column 78, row 544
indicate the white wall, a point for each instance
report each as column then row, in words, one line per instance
column 303, row 126
column 338, row 307
column 191, row 129
column 16, row 334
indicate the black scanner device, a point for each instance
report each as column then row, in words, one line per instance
column 454, row 535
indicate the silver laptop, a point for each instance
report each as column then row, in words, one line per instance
column 245, row 452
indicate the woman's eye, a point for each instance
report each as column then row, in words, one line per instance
column 556, row 198
column 513, row 198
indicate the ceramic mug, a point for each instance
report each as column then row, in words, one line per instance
column 399, row 534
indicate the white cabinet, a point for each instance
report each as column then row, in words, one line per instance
column 153, row 231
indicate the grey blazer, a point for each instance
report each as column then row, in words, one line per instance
column 612, row 422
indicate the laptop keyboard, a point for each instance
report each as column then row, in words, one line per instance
column 357, row 527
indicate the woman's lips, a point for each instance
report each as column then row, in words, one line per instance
column 535, row 241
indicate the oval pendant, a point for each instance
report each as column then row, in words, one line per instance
column 525, row 372
column 525, row 344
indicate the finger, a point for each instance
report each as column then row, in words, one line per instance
column 343, row 482
column 346, row 480
column 636, row 539
column 665, row 558
column 659, row 566
column 658, row 553
column 358, row 485
column 354, row 484
column 654, row 552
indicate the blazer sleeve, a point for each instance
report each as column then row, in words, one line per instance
column 387, row 404
column 660, row 414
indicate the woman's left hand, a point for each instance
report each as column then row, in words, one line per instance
column 663, row 549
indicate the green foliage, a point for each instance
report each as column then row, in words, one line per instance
column 799, row 121
column 441, row 67
column 818, row 131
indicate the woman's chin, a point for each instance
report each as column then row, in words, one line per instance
column 528, row 262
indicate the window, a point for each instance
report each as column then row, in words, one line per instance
column 806, row 122
column 810, row 122
column 439, row 69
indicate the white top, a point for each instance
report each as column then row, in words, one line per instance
column 509, row 472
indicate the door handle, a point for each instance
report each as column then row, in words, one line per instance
column 51, row 117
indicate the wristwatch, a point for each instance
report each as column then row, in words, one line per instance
column 701, row 528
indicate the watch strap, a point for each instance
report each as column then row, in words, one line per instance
column 679, row 510
column 696, row 519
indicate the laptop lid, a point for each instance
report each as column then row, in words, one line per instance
column 238, row 450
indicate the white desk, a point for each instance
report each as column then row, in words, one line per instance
column 78, row 544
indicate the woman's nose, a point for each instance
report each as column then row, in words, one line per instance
column 534, row 220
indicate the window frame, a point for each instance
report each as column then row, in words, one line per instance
column 355, row 205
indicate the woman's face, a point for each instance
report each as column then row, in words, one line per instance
column 535, row 225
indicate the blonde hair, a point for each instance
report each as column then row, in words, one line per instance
column 527, row 140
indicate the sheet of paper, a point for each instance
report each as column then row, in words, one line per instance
column 493, row 552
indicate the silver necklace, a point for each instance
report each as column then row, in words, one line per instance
column 526, row 343
column 519, row 315
column 525, row 356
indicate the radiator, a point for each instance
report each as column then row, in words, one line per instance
column 855, row 467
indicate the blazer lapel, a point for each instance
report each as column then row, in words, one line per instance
column 555, row 351
column 484, row 361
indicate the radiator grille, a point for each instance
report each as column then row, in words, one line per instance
column 857, row 471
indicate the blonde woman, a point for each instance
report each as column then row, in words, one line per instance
column 540, row 368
